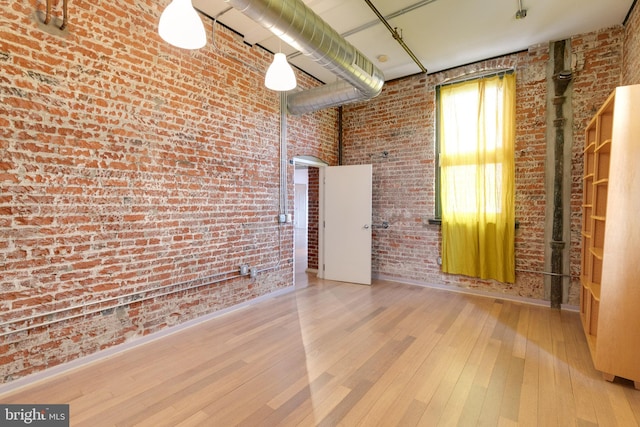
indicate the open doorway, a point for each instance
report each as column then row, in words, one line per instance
column 301, row 222
column 343, row 246
column 306, row 217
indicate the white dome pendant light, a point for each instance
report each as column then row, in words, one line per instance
column 280, row 76
column 181, row 26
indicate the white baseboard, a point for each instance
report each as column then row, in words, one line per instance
column 112, row 351
column 476, row 292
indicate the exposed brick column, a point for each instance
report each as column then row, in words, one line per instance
column 313, row 213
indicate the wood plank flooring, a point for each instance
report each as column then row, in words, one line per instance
column 332, row 354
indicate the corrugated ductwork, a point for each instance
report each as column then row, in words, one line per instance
column 296, row 24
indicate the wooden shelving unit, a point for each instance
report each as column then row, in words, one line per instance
column 610, row 270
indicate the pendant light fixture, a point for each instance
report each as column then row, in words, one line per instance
column 280, row 76
column 181, row 26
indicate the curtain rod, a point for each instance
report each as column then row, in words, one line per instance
column 480, row 75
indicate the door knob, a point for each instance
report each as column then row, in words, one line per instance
column 366, row 226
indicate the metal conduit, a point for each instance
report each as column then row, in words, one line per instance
column 377, row 21
column 384, row 19
column 296, row 24
column 396, row 36
column 283, row 158
column 112, row 303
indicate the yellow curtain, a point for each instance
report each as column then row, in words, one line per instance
column 477, row 137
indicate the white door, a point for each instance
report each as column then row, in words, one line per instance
column 300, row 208
column 346, row 236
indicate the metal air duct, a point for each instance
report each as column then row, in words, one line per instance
column 296, row 24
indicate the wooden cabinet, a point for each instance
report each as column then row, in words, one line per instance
column 610, row 270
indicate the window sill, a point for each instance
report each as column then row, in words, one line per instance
column 438, row 222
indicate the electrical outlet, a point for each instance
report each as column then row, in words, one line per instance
column 244, row 270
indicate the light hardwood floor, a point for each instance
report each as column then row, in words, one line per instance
column 340, row 354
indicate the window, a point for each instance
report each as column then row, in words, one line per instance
column 476, row 137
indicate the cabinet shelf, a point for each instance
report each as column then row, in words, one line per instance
column 604, row 147
column 610, row 236
column 597, row 252
column 590, row 147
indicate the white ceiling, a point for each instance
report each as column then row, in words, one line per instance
column 441, row 33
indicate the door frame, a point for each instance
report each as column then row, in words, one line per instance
column 315, row 162
column 312, row 161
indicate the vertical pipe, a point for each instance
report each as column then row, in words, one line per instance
column 561, row 80
column 283, row 157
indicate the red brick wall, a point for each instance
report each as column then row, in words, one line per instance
column 401, row 122
column 631, row 68
column 598, row 62
column 313, row 137
column 313, row 218
column 127, row 165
